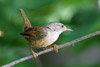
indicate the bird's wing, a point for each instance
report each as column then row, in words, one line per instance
column 36, row 32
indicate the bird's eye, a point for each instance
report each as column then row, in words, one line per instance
column 62, row 26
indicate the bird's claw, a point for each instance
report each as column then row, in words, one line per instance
column 55, row 47
column 35, row 55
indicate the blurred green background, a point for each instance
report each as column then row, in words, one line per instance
column 83, row 16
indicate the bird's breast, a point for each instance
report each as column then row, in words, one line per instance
column 51, row 38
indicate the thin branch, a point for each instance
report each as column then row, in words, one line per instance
column 51, row 49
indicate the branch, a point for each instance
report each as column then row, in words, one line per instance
column 51, row 49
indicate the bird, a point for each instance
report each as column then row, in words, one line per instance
column 42, row 36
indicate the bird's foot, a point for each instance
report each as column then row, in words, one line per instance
column 35, row 55
column 55, row 47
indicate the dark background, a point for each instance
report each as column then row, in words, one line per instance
column 82, row 16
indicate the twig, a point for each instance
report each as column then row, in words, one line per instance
column 51, row 49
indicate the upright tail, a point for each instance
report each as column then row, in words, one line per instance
column 27, row 23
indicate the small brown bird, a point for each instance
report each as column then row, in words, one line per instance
column 42, row 36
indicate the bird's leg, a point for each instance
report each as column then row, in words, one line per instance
column 35, row 55
column 55, row 47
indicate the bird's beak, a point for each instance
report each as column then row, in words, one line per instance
column 67, row 29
